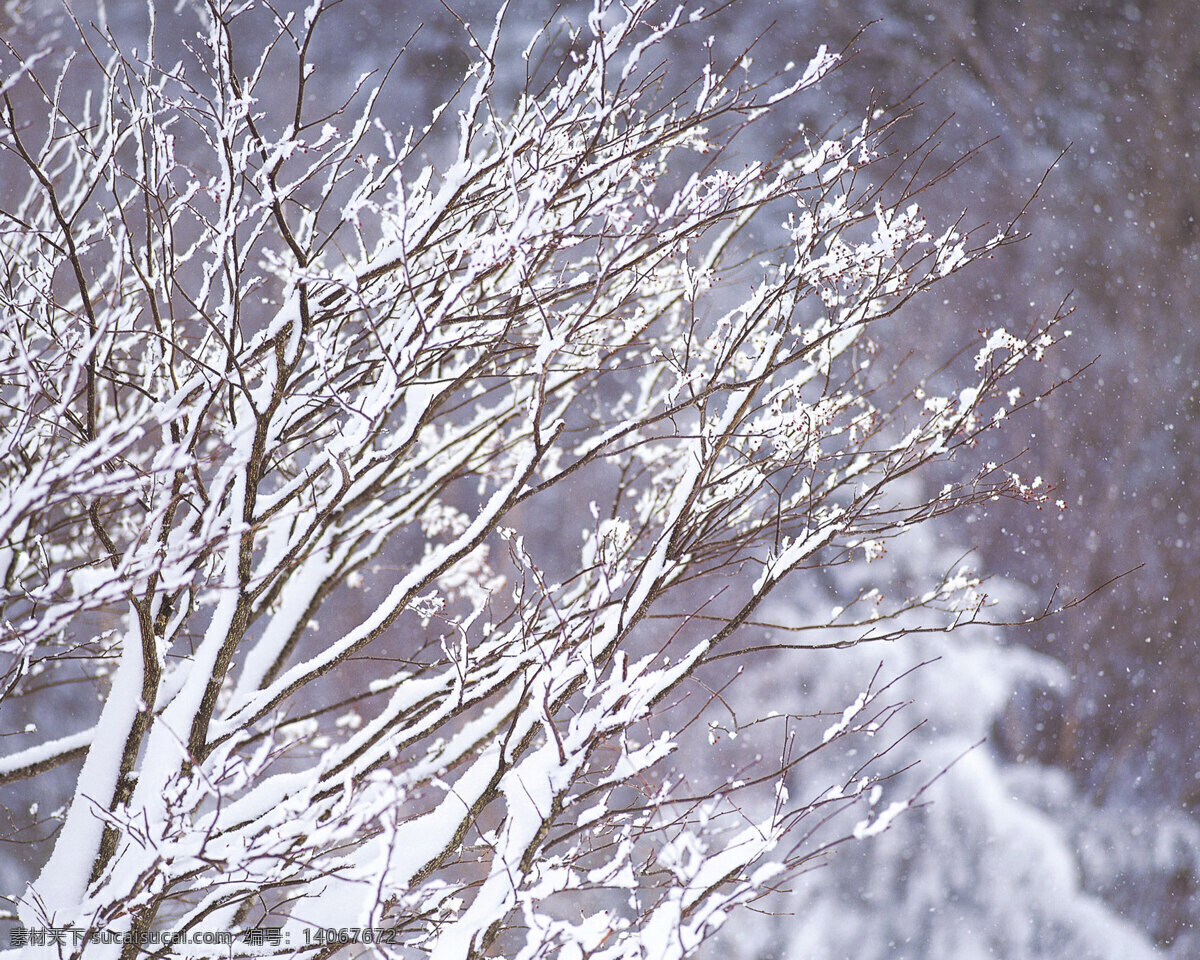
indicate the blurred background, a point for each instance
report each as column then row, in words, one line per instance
column 1073, row 830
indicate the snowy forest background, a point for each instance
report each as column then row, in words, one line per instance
column 1072, row 830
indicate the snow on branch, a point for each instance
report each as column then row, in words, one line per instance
column 288, row 412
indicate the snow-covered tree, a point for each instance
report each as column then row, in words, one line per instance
column 401, row 516
column 996, row 858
